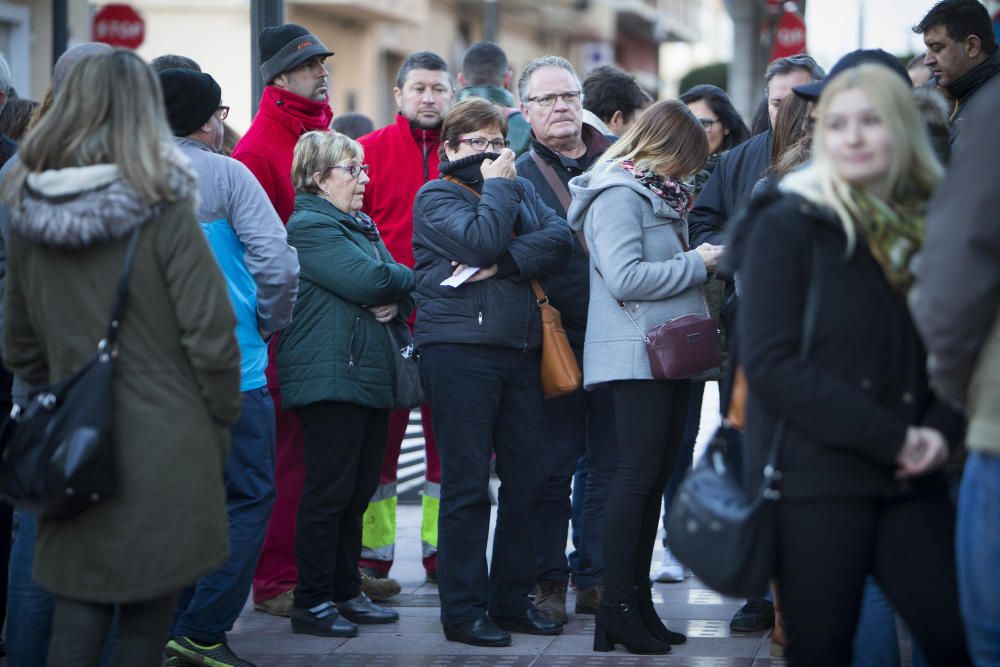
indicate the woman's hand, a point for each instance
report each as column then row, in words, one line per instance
column 384, row 314
column 502, row 167
column 924, row 451
column 481, row 274
column 710, row 254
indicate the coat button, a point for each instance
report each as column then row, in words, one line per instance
column 866, row 384
column 907, row 397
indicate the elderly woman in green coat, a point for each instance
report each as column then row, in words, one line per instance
column 336, row 366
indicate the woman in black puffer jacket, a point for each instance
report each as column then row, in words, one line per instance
column 480, row 344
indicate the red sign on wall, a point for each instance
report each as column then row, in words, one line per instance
column 789, row 36
column 119, row 25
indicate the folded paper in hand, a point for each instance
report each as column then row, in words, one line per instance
column 461, row 277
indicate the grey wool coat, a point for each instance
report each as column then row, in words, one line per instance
column 176, row 378
column 636, row 256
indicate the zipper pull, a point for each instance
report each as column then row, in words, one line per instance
column 480, row 318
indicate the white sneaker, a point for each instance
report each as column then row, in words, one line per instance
column 671, row 570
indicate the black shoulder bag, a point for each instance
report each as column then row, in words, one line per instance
column 727, row 538
column 58, row 452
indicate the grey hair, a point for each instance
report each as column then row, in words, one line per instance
column 5, row 82
column 790, row 64
column 315, row 152
column 523, row 83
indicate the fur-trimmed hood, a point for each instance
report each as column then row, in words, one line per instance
column 78, row 207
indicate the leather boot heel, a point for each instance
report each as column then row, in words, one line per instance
column 602, row 640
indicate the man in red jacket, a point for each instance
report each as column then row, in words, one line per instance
column 294, row 102
column 403, row 156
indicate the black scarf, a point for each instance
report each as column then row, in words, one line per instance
column 466, row 169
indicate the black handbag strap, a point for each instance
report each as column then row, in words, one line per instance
column 121, row 294
column 772, row 475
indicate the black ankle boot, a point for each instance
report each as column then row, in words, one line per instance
column 647, row 612
column 620, row 623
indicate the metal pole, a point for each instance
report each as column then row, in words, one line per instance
column 60, row 29
column 861, row 24
column 263, row 14
column 491, row 20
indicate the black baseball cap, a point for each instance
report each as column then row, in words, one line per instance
column 811, row 91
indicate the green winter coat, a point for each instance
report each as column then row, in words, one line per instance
column 176, row 377
column 335, row 349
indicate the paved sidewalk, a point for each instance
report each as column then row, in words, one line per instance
column 417, row 638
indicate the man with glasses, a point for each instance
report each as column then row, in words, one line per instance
column 581, row 423
column 261, row 270
column 293, row 102
column 403, row 156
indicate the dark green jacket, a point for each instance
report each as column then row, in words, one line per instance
column 518, row 130
column 335, row 349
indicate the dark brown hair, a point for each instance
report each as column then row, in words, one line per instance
column 791, row 142
column 470, row 116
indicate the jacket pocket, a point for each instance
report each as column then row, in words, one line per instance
column 353, row 345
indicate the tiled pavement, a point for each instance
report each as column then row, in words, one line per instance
column 417, row 638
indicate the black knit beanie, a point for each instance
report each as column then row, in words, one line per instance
column 191, row 99
column 285, row 47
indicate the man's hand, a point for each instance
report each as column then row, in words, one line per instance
column 384, row 314
column 924, row 451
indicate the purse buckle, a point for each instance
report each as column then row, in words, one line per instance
column 542, row 302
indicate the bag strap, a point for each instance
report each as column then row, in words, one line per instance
column 552, row 178
column 536, row 287
column 121, row 294
column 772, row 475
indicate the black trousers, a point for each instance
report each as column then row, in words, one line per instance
column 80, row 628
column 828, row 548
column 486, row 400
column 649, row 419
column 344, row 446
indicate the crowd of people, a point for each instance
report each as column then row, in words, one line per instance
column 290, row 283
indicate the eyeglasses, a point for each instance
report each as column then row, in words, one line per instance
column 222, row 112
column 480, row 144
column 707, row 123
column 571, row 97
column 353, row 169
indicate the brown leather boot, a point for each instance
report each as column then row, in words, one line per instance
column 588, row 600
column 550, row 598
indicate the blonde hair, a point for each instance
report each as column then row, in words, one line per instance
column 110, row 110
column 914, row 170
column 316, row 152
column 667, row 138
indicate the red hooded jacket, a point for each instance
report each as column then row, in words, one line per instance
column 267, row 147
column 402, row 159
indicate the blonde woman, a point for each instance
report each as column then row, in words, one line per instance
column 98, row 169
column 632, row 208
column 862, row 491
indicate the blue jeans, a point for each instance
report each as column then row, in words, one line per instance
column 686, row 451
column 577, row 424
column 206, row 612
column 977, row 546
column 29, row 608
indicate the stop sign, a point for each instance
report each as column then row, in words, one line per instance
column 789, row 36
column 119, row 25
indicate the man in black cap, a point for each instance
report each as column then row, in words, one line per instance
column 294, row 102
column 261, row 270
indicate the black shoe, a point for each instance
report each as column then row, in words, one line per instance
column 647, row 612
column 757, row 615
column 531, row 622
column 363, row 611
column 323, row 620
column 620, row 623
column 480, row 632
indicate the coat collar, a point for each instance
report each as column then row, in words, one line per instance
column 494, row 94
column 973, row 80
column 297, row 113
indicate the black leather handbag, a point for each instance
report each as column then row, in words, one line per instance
column 726, row 535
column 409, row 390
column 58, row 453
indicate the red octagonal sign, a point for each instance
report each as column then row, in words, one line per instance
column 789, row 36
column 119, row 25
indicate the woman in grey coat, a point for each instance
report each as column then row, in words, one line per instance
column 632, row 209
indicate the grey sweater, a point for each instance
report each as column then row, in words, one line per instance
column 636, row 257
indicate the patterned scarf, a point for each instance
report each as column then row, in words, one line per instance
column 895, row 234
column 676, row 193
